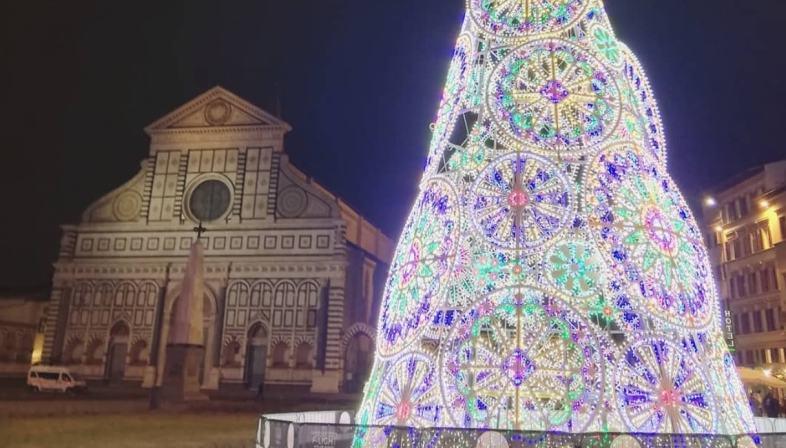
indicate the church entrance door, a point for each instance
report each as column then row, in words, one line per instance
column 357, row 362
column 118, row 349
column 256, row 356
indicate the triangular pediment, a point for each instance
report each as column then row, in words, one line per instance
column 217, row 108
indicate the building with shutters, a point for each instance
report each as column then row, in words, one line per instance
column 745, row 221
column 293, row 274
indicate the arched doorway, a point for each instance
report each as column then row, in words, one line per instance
column 256, row 356
column 118, row 348
column 357, row 362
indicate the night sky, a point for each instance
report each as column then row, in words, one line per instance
column 359, row 80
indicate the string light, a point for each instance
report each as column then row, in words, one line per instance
column 550, row 276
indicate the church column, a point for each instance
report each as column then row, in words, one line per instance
column 56, row 320
column 58, row 309
column 153, row 367
column 328, row 380
column 369, row 267
column 168, row 291
column 217, row 336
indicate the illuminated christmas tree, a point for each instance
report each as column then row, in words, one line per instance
column 550, row 275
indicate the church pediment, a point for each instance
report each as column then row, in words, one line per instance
column 217, row 108
column 299, row 198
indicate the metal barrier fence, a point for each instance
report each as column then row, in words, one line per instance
column 335, row 430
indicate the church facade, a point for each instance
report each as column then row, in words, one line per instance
column 293, row 275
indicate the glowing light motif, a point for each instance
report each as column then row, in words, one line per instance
column 644, row 227
column 576, row 268
column 662, row 389
column 555, row 97
column 423, row 259
column 521, row 201
column 409, row 394
column 518, row 18
column 550, row 275
column 522, row 360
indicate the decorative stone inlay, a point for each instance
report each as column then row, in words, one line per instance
column 218, row 112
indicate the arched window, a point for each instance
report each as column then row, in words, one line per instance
column 124, row 295
column 238, row 295
column 82, row 296
column 104, row 295
column 284, row 301
column 139, row 353
column 280, row 355
column 147, row 295
column 95, row 352
column 307, row 298
column 303, row 356
column 266, row 292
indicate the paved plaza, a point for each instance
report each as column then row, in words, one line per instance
column 119, row 417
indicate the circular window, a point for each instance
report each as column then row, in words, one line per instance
column 209, row 200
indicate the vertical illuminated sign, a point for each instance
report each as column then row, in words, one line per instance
column 728, row 330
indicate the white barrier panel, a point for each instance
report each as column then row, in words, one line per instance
column 770, row 425
column 317, row 417
column 334, row 429
column 763, row 425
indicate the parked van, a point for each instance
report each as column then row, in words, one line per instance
column 54, row 378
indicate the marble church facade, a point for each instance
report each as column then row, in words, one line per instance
column 293, row 274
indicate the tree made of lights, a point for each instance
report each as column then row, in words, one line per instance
column 550, row 275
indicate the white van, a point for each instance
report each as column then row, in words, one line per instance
column 54, row 378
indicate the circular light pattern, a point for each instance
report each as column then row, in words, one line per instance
column 409, row 393
column 517, row 18
column 521, row 201
column 575, row 268
column 522, row 360
column 645, row 229
column 422, row 261
column 662, row 389
column 554, row 97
